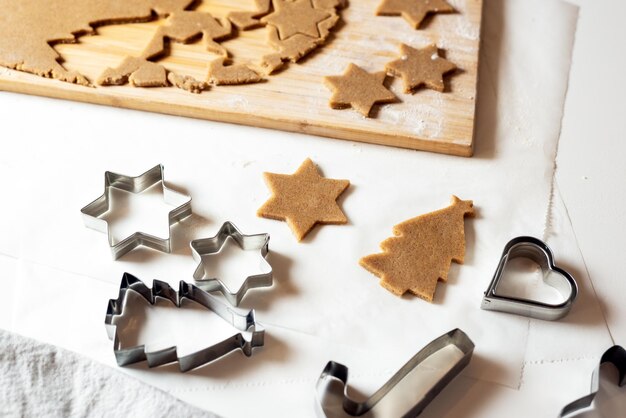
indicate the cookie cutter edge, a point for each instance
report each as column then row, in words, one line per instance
column 339, row 372
column 213, row 245
column 92, row 211
column 243, row 322
column 538, row 251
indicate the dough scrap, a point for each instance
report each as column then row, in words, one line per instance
column 421, row 250
column 304, row 199
column 28, row 29
column 358, row 89
column 188, row 83
column 137, row 71
column 413, row 11
column 419, row 67
column 220, row 74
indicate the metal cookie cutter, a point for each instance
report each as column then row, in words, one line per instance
column 334, row 379
column 213, row 245
column 93, row 211
column 615, row 355
column 243, row 322
column 536, row 250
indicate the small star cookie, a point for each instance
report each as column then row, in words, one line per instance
column 358, row 89
column 292, row 17
column 413, row 11
column 304, row 199
column 420, row 67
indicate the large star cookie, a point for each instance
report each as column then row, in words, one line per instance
column 420, row 67
column 413, row 11
column 299, row 16
column 303, row 199
column 358, row 89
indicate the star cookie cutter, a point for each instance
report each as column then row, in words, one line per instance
column 251, row 335
column 93, row 211
column 213, row 245
column 537, row 251
column 615, row 355
column 334, row 379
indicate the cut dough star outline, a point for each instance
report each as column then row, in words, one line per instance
column 413, row 11
column 419, row 67
column 292, row 17
column 358, row 89
column 304, row 199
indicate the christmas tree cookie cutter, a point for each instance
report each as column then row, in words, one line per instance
column 537, row 251
column 615, row 355
column 334, row 380
column 251, row 335
column 93, row 211
column 208, row 246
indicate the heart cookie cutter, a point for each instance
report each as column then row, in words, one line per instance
column 615, row 355
column 536, row 250
column 334, row 378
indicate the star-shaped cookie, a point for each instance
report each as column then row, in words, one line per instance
column 420, row 67
column 358, row 89
column 299, row 16
column 413, row 11
column 304, row 199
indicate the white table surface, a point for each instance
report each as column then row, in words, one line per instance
column 591, row 172
column 590, row 178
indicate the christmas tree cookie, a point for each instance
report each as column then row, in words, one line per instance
column 420, row 253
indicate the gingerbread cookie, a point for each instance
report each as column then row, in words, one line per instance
column 419, row 67
column 304, row 199
column 420, row 253
column 358, row 89
column 413, row 11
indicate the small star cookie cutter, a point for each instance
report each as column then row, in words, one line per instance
column 93, row 211
column 251, row 335
column 213, row 245
column 537, row 251
column 334, row 379
column 615, row 355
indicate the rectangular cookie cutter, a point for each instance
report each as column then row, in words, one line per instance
column 245, row 323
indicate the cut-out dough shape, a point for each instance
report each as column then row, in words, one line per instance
column 413, row 11
column 419, row 67
column 304, row 199
column 296, row 46
column 220, row 74
column 297, row 16
column 420, row 253
column 29, row 28
column 358, row 89
column 183, row 27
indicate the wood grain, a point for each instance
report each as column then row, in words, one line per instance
column 294, row 99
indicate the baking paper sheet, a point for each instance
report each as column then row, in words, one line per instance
column 323, row 305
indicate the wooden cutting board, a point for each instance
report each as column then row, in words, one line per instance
column 294, row 99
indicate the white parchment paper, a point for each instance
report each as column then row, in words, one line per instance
column 323, row 305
